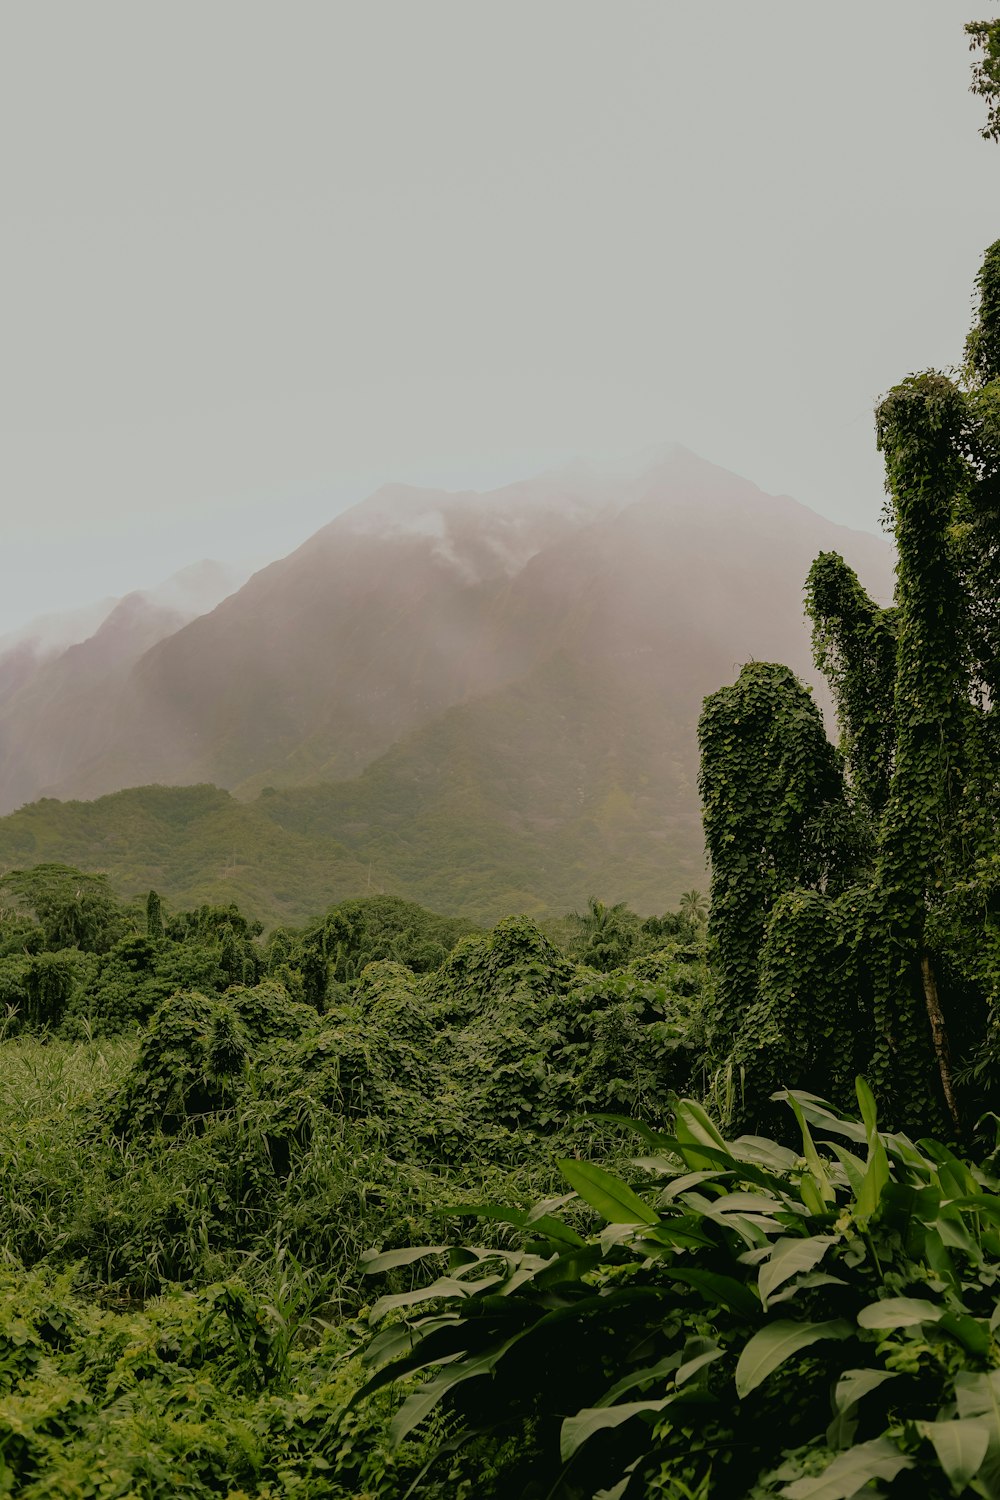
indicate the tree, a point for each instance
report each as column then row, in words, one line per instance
column 73, row 909
column 694, row 908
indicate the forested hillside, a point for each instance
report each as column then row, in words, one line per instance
column 371, row 1201
column 516, row 678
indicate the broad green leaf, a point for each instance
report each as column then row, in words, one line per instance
column 823, row 1117
column 576, row 1430
column 814, row 1161
column 899, row 1312
column 811, row 1196
column 543, row 1222
column 686, row 1231
column 960, row 1447
column 854, row 1168
column 775, row 1343
column 697, row 1359
column 981, row 1203
column 694, row 1126
column 643, row 1376
column 979, row 1396
column 445, row 1286
column 649, row 1135
column 788, row 1258
column 717, row 1288
column 697, row 1157
column 850, row 1472
column 373, row 1261
column 969, row 1332
column 747, row 1203
column 853, row 1385
column 804, row 1283
column 424, row 1399
column 763, row 1153
column 875, row 1178
column 868, row 1107
column 614, row 1200
column 685, row 1183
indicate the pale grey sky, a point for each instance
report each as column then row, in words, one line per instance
column 258, row 258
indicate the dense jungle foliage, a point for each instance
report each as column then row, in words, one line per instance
column 591, row 1209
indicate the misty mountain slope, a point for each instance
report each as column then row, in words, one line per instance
column 482, row 703
column 322, row 660
column 581, row 777
column 418, row 600
column 53, row 714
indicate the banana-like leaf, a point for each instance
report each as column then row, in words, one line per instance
column 813, row 1159
column 694, row 1126
column 854, row 1385
column 445, row 1286
column 960, row 1446
column 850, row 1472
column 544, row 1223
column 643, row 1376
column 821, row 1115
column 697, row 1360
column 788, row 1258
column 775, row 1343
column 424, row 1399
column 899, row 1312
column 867, row 1106
column 718, row 1288
column 854, row 1169
column 614, row 1200
column 576, row 1430
column 373, row 1261
column 973, row 1335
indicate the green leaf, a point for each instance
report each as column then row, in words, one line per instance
column 868, row 1107
column 717, row 1288
column 424, row 1399
column 969, row 1332
column 698, row 1354
column 850, row 1472
column 576, row 1430
column 445, row 1286
column 545, row 1223
column 814, row 1161
column 694, row 1127
column 875, row 1179
column 899, row 1312
column 614, row 1200
column 643, row 1376
column 775, row 1343
column 853, row 1385
column 788, row 1258
column 854, row 1168
column 373, row 1261
column 960, row 1447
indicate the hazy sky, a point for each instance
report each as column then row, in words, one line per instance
column 259, row 257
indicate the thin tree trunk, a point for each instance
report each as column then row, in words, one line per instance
column 940, row 1035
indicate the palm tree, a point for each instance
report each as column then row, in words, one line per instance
column 693, row 907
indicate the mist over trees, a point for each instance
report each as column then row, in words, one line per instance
column 589, row 1204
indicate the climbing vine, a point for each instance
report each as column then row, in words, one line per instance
column 877, row 867
column 776, row 818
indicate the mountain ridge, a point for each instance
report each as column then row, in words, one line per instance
column 482, row 696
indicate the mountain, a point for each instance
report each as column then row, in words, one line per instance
column 60, row 673
column 482, row 702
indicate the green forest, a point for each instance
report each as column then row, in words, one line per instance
column 703, row 1205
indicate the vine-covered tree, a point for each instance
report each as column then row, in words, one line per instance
column 909, row 917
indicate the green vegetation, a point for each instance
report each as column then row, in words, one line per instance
column 184, row 1208
column 700, row 1271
